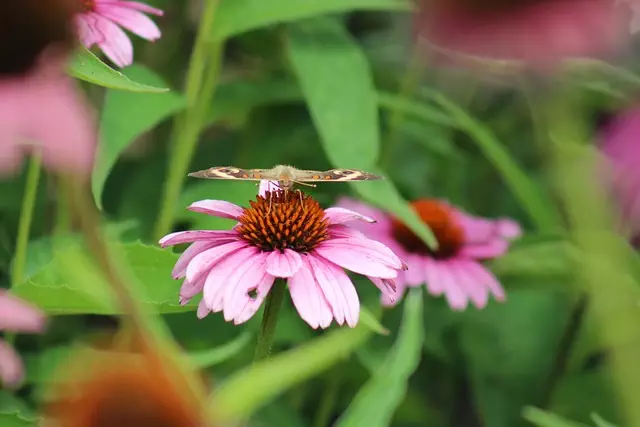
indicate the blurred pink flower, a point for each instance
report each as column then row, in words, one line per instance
column 15, row 316
column 620, row 143
column 536, row 31
column 42, row 110
column 286, row 235
column 101, row 21
column 454, row 269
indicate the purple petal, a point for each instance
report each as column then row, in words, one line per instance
column 213, row 236
column 309, row 299
column 11, row 370
column 217, row 280
column 268, row 187
column 203, row 311
column 486, row 278
column 131, row 19
column 469, row 282
column 202, row 263
column 116, row 45
column 180, row 269
column 251, row 306
column 338, row 215
column 338, row 290
column 17, row 315
column 219, row 208
column 490, row 249
column 239, row 284
column 283, row 264
column 190, row 289
column 374, row 260
column 452, row 289
column 392, row 290
column 415, row 269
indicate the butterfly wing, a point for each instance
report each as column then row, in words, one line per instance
column 231, row 172
column 335, row 175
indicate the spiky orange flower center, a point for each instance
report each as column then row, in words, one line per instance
column 284, row 220
column 88, row 5
column 440, row 219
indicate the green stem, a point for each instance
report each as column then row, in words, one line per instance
column 26, row 216
column 329, row 399
column 270, row 320
column 63, row 218
column 201, row 80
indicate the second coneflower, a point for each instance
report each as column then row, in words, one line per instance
column 454, row 269
column 281, row 235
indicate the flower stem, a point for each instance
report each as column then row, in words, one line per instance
column 269, row 320
column 26, row 216
column 202, row 77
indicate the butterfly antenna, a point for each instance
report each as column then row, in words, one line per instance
column 305, row 184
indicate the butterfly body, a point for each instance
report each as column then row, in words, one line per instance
column 286, row 176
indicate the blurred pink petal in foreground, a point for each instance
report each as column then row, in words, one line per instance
column 454, row 269
column 15, row 316
column 620, row 143
column 281, row 235
column 101, row 21
column 42, row 110
column 535, row 31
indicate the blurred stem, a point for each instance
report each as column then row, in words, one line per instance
column 63, row 218
column 329, row 399
column 270, row 320
column 157, row 343
column 201, row 80
column 604, row 266
column 26, row 217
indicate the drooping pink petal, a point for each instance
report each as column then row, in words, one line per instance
column 251, row 305
column 456, row 297
column 366, row 257
column 464, row 276
column 142, row 7
column 88, row 31
column 16, row 315
column 202, row 263
column 131, row 19
column 490, row 249
column 309, row 299
column 247, row 278
column 214, row 236
column 116, row 44
column 217, row 281
column 190, row 289
column 337, row 288
column 11, row 370
column 203, row 310
column 415, row 274
column 283, row 264
column 219, row 208
column 383, row 222
column 342, row 215
column 508, row 228
column 435, row 286
column 484, row 277
column 180, row 269
column 392, row 290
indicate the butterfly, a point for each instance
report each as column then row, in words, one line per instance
column 287, row 176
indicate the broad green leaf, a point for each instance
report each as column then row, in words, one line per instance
column 88, row 67
column 14, row 412
column 376, row 402
column 547, row 419
column 238, row 16
column 384, row 195
column 214, row 356
column 531, row 197
column 600, row 422
column 338, row 86
column 369, row 320
column 69, row 284
column 246, row 391
column 15, row 419
column 126, row 116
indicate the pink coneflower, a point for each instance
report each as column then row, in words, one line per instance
column 621, row 147
column 15, row 316
column 535, row 31
column 454, row 269
column 101, row 21
column 43, row 111
column 281, row 235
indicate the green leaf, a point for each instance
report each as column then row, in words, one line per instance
column 125, row 117
column 14, row 412
column 69, row 284
column 547, row 419
column 15, row 419
column 384, row 195
column 377, row 400
column 369, row 320
column 246, row 391
column 531, row 197
column 600, row 422
column 215, row 356
column 239, row 16
column 88, row 67
column 337, row 83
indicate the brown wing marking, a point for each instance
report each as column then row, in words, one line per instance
column 228, row 172
column 340, row 175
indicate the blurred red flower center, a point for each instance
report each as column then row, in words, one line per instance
column 440, row 219
column 88, row 5
column 284, row 220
